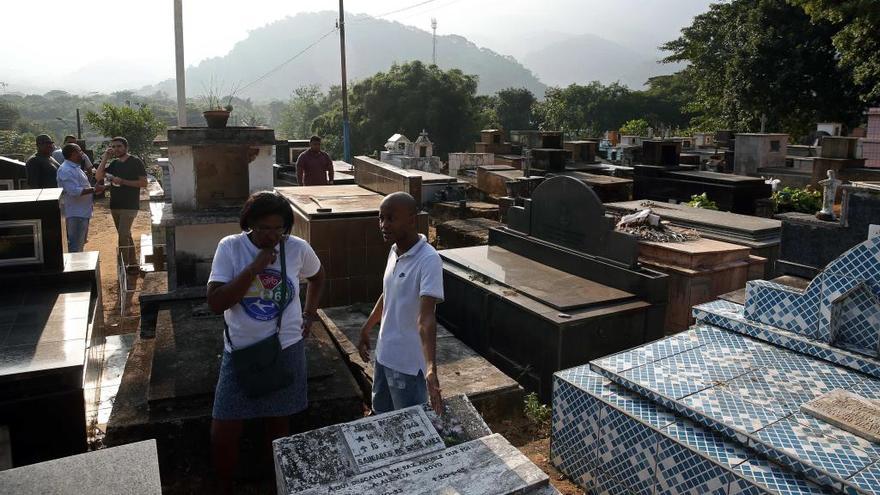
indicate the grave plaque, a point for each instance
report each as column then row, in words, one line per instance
column 847, row 411
column 339, row 452
column 486, row 466
column 394, row 437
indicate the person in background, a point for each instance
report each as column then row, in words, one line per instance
column 313, row 166
column 76, row 198
column 247, row 285
column 405, row 370
column 128, row 176
column 86, row 163
column 41, row 168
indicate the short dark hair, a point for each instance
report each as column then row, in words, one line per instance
column 70, row 136
column 315, row 138
column 120, row 139
column 262, row 204
column 68, row 149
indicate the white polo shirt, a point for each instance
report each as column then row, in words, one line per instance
column 416, row 273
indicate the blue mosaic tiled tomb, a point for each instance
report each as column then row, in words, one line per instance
column 716, row 409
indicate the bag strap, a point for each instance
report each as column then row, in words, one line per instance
column 281, row 308
column 284, row 288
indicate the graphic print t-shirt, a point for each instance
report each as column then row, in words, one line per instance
column 254, row 318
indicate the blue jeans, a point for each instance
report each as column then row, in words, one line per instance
column 77, row 231
column 393, row 390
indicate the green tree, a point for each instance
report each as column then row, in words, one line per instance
column 513, row 107
column 749, row 58
column 635, row 127
column 406, row 99
column 17, row 145
column 137, row 124
column 857, row 39
column 9, row 115
column 590, row 110
column 304, row 107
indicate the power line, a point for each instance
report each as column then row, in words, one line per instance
column 392, row 12
column 405, row 8
column 291, row 59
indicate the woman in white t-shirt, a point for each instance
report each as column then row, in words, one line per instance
column 246, row 285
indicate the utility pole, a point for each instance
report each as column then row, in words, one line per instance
column 434, row 51
column 178, row 58
column 346, row 132
column 78, row 126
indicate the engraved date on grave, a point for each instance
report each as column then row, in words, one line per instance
column 391, row 438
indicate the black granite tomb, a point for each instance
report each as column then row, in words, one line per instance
column 51, row 340
column 662, row 178
column 556, row 287
column 13, row 175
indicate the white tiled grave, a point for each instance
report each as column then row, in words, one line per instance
column 403, row 452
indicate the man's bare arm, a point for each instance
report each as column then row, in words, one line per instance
column 372, row 320
column 428, row 333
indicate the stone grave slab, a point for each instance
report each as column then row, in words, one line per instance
column 484, row 466
column 847, row 411
column 127, row 469
column 535, row 280
column 338, row 452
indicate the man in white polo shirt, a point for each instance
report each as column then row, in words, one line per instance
column 405, row 368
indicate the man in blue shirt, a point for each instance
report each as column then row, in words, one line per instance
column 77, row 197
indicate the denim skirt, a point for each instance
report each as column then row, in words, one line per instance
column 231, row 403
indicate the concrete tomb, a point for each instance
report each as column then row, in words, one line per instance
column 51, row 322
column 404, row 452
column 213, row 171
column 761, row 235
column 582, row 151
column 167, row 388
column 341, row 224
column 464, row 232
column 463, row 163
column 738, row 403
column 492, row 141
column 609, row 189
column 461, row 370
column 13, row 174
column 808, row 244
column 699, row 271
column 504, row 300
column 418, row 155
column 757, row 151
column 131, row 469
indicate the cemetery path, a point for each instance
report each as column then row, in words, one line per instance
column 102, row 238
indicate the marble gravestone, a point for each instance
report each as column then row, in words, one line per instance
column 406, row 451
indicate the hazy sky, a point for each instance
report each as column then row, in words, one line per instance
column 113, row 44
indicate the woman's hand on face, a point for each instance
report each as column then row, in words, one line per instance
column 264, row 258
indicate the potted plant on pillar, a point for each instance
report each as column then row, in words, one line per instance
column 216, row 112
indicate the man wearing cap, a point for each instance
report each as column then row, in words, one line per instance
column 314, row 167
column 42, row 169
column 77, row 198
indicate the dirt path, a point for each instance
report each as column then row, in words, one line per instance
column 102, row 238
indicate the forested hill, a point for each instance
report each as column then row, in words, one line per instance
column 372, row 45
column 587, row 57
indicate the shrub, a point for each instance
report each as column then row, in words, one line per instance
column 537, row 413
column 702, row 201
column 798, row 200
